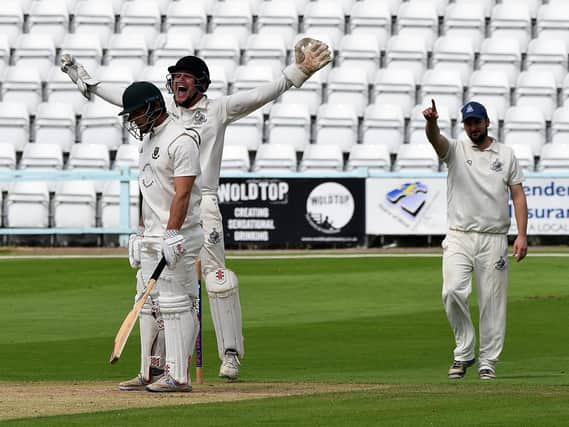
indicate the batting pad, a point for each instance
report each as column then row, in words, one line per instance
column 223, row 293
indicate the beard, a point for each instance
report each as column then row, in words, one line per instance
column 481, row 138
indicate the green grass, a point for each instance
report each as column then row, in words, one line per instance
column 369, row 320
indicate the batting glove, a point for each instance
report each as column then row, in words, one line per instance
column 310, row 55
column 172, row 247
column 78, row 74
column 134, row 243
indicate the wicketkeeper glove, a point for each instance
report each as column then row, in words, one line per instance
column 78, row 74
column 134, row 242
column 310, row 55
column 172, row 247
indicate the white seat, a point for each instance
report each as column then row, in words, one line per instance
column 22, row 84
column 248, row 77
column 360, row 50
column 86, row 156
column 525, row 125
column 246, row 132
column 128, row 51
column 560, row 125
column 127, row 155
column 524, row 154
column 186, row 17
column 278, row 17
column 454, row 53
column 85, row 48
column 546, row 54
column 275, row 158
column 235, row 159
column 322, row 158
column 445, row 86
column 266, row 49
column 4, row 53
column 554, row 158
column 466, row 20
column 417, row 122
column 27, row 204
column 170, row 47
column 140, row 19
column 35, row 51
column 553, row 21
column 156, row 74
column 501, row 54
column 220, row 50
column 232, row 18
column 490, row 88
column 337, row 124
column 374, row 157
column 49, row 18
column 418, row 19
column 219, row 85
column 7, row 157
column 325, row 17
column 531, row 5
column 55, row 122
column 371, row 17
column 511, row 20
column 95, row 17
column 383, row 124
column 348, row 84
column 100, row 124
column 110, row 204
column 395, row 86
column 14, row 124
column 537, row 88
column 46, row 156
column 59, row 88
column 565, row 90
column 11, row 20
column 407, row 52
column 74, row 204
column 416, row 158
column 310, row 94
column 289, row 124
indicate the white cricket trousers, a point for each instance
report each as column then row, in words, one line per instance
column 213, row 251
column 485, row 255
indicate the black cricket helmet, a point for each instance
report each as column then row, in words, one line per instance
column 147, row 98
column 191, row 65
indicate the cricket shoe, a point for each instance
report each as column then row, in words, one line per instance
column 458, row 368
column 230, row 366
column 487, row 374
column 167, row 384
column 137, row 383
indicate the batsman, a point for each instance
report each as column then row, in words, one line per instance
column 188, row 81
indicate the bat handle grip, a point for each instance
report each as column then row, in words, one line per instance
column 158, row 270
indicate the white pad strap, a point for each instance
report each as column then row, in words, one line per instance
column 223, row 292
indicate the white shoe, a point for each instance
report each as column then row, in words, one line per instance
column 138, row 383
column 230, row 365
column 167, row 384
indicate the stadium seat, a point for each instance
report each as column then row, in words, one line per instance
column 4, row 53
column 310, row 94
column 95, row 17
column 11, row 21
column 85, row 48
column 548, row 55
column 537, row 89
column 275, row 158
column 60, row 88
column 325, row 17
column 501, row 54
column 219, row 85
column 322, row 158
column 100, row 124
column 140, row 19
column 531, row 5
column 232, row 18
column 110, row 204
column 55, row 122
column 266, row 49
column 220, row 50
column 348, row 84
column 74, row 204
column 27, row 204
column 408, row 53
column 491, row 88
column 156, row 74
column 511, row 20
column 373, row 18
column 454, row 53
column 383, row 124
column 248, row 77
column 466, row 20
column 525, row 125
column 47, row 156
column 374, row 157
column 246, row 132
column 416, row 158
column 553, row 21
column 87, row 156
column 362, row 51
column 14, row 124
column 289, row 124
column 395, row 86
column 128, row 51
column 235, row 159
column 418, row 19
column 565, row 90
column 187, row 18
column 445, row 86
column 554, row 158
column 127, row 155
column 560, row 125
column 49, row 18
column 278, row 17
column 337, row 124
column 7, row 159
column 22, row 84
column 170, row 47
column 524, row 154
column 35, row 51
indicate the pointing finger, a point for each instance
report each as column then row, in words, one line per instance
column 434, row 107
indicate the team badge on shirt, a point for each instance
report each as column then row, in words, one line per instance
column 199, row 118
column 156, row 153
column 496, row 165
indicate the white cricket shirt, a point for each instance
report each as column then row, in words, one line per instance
column 478, row 186
column 168, row 151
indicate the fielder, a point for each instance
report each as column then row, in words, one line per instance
column 188, row 81
column 482, row 174
column 169, row 226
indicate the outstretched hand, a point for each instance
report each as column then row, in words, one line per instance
column 431, row 114
column 311, row 55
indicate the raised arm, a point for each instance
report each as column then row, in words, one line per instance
column 520, row 248
column 438, row 141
